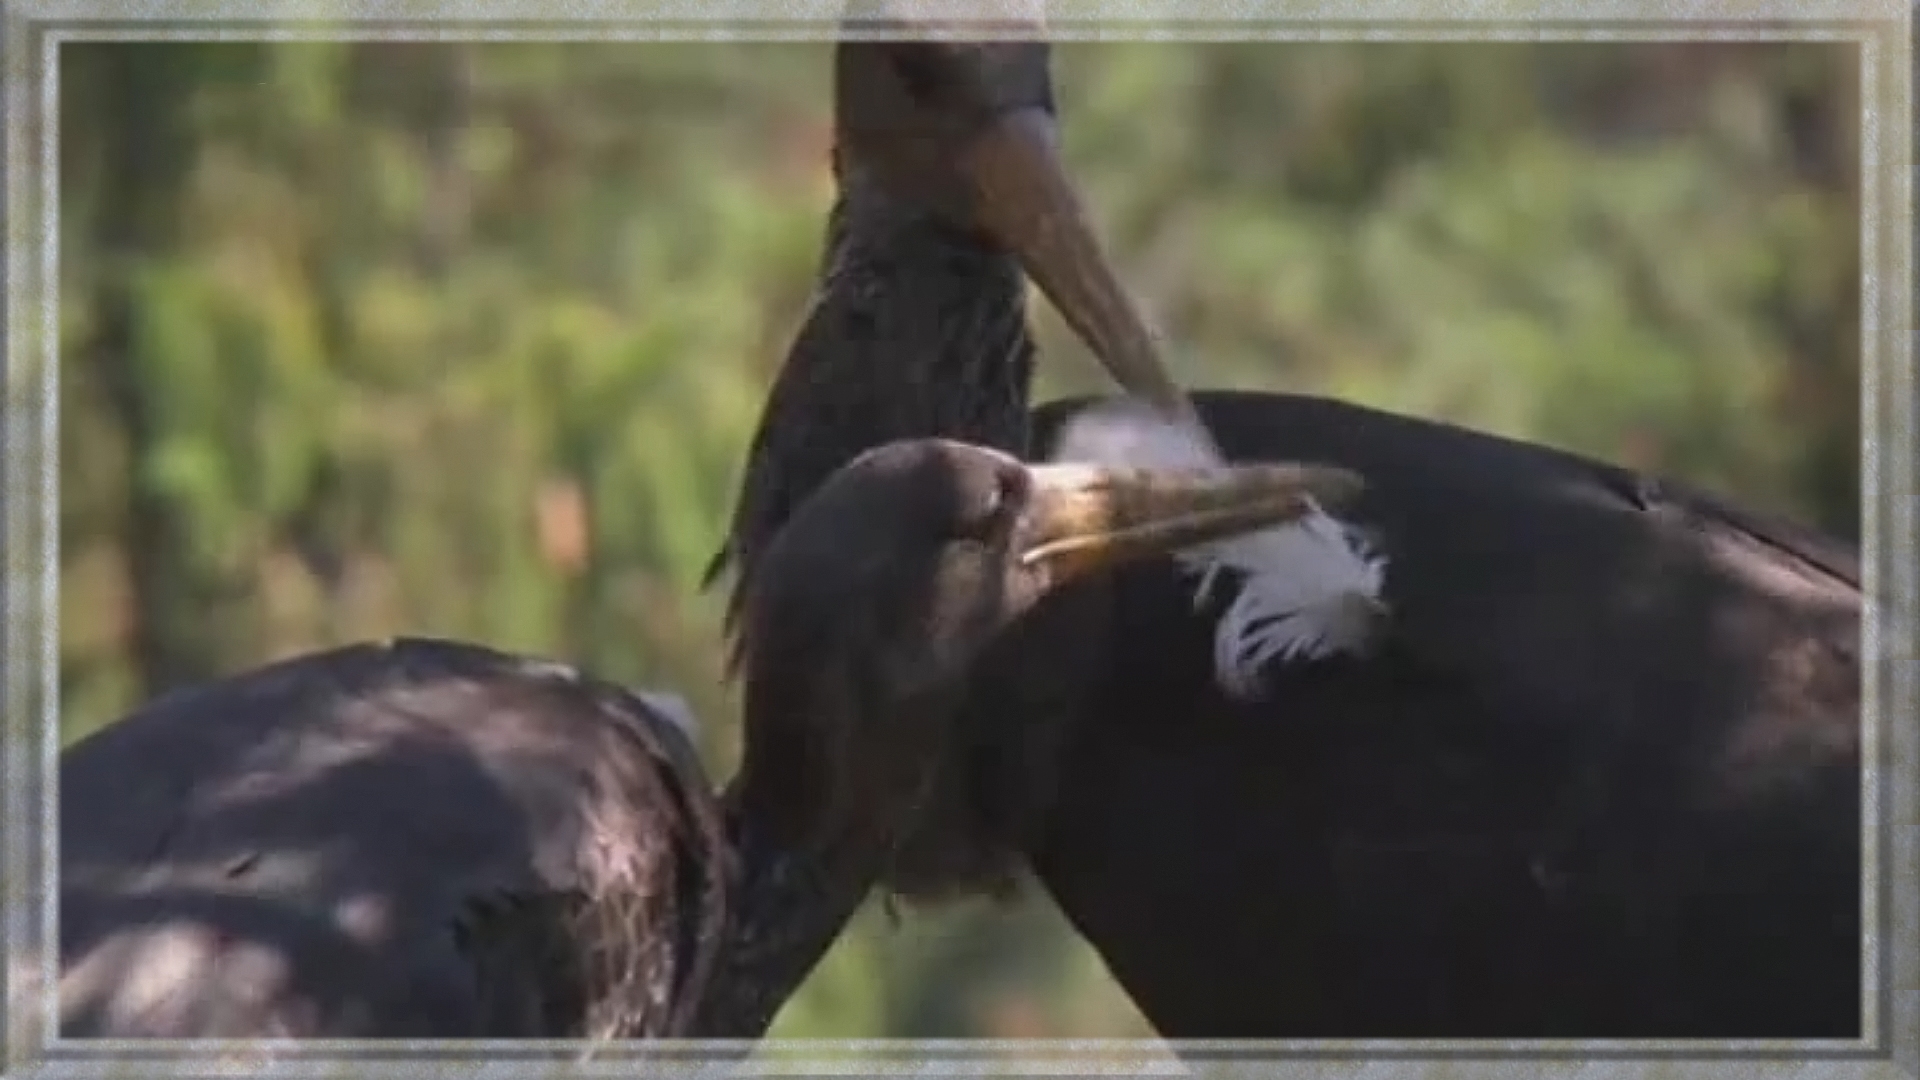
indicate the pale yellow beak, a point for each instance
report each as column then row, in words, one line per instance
column 1090, row 517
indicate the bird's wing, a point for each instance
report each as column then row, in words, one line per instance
column 1499, row 531
column 1612, row 722
column 1541, row 599
column 297, row 849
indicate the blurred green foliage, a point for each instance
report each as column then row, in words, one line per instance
column 459, row 339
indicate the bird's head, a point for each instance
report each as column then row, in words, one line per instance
column 968, row 129
column 876, row 597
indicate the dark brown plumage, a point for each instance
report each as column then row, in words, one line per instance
column 948, row 187
column 1599, row 779
column 433, row 839
column 408, row 840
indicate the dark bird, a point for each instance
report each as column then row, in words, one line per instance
column 1597, row 774
column 1600, row 778
column 427, row 839
column 949, row 186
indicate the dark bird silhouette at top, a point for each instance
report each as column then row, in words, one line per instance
column 949, row 185
column 1597, row 775
column 429, row 839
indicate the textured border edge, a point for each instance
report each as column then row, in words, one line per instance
column 1889, row 460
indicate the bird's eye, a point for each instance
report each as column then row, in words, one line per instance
column 1002, row 500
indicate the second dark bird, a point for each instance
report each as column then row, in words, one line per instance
column 1599, row 777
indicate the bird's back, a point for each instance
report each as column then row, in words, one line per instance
column 414, row 839
column 1601, row 780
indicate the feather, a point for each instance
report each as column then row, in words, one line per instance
column 1307, row 589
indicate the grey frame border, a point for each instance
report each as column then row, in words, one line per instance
column 32, row 32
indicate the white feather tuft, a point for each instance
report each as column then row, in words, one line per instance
column 1309, row 588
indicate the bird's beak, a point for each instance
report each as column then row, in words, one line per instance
column 1025, row 199
column 1088, row 517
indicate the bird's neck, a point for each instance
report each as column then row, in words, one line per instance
column 788, row 907
column 935, row 318
column 918, row 329
column 832, row 776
